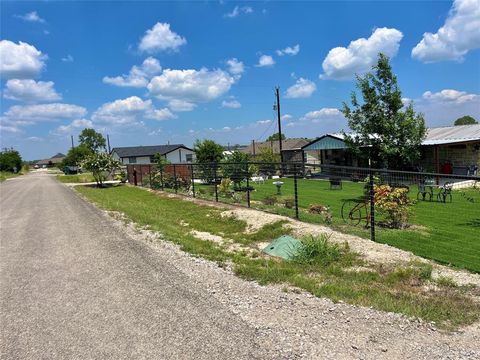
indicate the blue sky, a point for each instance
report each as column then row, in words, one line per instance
column 153, row 72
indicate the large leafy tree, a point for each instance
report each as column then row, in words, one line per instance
column 92, row 140
column 76, row 155
column 466, row 120
column 386, row 131
column 208, row 153
column 10, row 160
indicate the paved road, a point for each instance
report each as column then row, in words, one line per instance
column 73, row 286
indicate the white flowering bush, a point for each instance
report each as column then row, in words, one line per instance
column 101, row 165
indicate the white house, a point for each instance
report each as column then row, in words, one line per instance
column 175, row 154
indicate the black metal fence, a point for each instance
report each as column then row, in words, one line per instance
column 374, row 203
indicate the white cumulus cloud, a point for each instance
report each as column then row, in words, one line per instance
column 443, row 107
column 130, row 111
column 231, row 104
column 75, row 126
column 318, row 115
column 160, row 38
column 25, row 114
column 265, row 60
column 289, row 50
column 30, row 91
column 20, row 60
column 303, row 88
column 343, row 63
column 138, row 76
column 235, row 67
column 190, row 86
column 455, row 38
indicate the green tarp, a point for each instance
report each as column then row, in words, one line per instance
column 285, row 247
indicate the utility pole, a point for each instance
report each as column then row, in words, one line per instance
column 253, row 148
column 277, row 106
column 71, row 137
column 108, row 143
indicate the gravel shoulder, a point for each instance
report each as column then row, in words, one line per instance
column 292, row 325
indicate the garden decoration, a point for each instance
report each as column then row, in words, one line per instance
column 445, row 192
column 278, row 184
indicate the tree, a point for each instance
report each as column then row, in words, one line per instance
column 392, row 135
column 275, row 137
column 10, row 160
column 466, row 120
column 267, row 161
column 76, row 155
column 235, row 168
column 208, row 153
column 92, row 140
column 101, row 165
column 161, row 161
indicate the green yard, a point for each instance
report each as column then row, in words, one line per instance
column 445, row 232
column 332, row 272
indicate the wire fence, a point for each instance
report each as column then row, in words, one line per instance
column 434, row 215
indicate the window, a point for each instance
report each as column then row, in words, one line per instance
column 152, row 159
column 132, row 160
column 188, row 157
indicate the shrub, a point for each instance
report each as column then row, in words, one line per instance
column 394, row 204
column 269, row 200
column 224, row 187
column 289, row 202
column 323, row 210
column 317, row 251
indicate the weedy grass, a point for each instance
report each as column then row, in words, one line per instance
column 321, row 268
column 77, row 178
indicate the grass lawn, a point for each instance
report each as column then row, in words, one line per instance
column 325, row 270
column 445, row 232
column 77, row 178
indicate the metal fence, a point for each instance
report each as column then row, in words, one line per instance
column 349, row 199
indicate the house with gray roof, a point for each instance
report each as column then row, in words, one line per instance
column 176, row 153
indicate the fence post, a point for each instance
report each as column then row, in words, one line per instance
column 150, row 174
column 372, row 206
column 135, row 177
column 161, row 177
column 295, row 189
column 175, row 178
column 215, row 180
column 193, row 180
column 248, row 185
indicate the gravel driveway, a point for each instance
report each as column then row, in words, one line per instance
column 73, row 286
column 76, row 283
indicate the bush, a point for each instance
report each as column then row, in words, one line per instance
column 317, row 251
column 224, row 187
column 10, row 160
column 394, row 204
column 289, row 202
column 269, row 200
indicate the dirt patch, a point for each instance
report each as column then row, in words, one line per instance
column 207, row 236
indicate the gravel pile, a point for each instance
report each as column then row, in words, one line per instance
column 294, row 325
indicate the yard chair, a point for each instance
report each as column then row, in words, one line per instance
column 445, row 192
column 424, row 190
